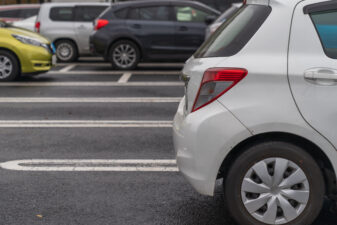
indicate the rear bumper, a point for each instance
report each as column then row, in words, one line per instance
column 99, row 45
column 202, row 140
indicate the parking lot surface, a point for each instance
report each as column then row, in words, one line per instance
column 86, row 111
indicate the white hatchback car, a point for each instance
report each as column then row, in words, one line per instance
column 260, row 111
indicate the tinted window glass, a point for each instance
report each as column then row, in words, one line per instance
column 26, row 13
column 88, row 13
column 62, row 14
column 15, row 13
column 121, row 14
column 226, row 15
column 326, row 26
column 133, row 14
column 189, row 14
column 150, row 13
column 220, row 5
column 234, row 34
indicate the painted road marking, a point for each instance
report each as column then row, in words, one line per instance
column 109, row 64
column 84, row 123
column 67, row 68
column 125, row 78
column 77, row 165
column 122, row 82
column 91, row 100
column 93, row 72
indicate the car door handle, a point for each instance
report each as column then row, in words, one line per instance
column 136, row 26
column 321, row 75
column 183, row 28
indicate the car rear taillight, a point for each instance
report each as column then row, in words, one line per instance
column 216, row 82
column 100, row 24
column 37, row 27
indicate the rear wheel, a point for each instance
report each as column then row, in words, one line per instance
column 66, row 51
column 124, row 55
column 274, row 183
column 9, row 66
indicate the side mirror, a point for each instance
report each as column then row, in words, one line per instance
column 209, row 20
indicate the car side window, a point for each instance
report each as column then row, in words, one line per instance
column 88, row 13
column 326, row 26
column 157, row 13
column 26, row 13
column 15, row 13
column 62, row 14
column 190, row 14
column 121, row 14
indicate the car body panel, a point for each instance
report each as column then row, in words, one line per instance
column 158, row 40
column 28, row 23
column 18, row 12
column 77, row 31
column 261, row 103
column 28, row 55
column 315, row 99
column 203, row 137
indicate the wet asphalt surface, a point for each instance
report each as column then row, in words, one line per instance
column 100, row 198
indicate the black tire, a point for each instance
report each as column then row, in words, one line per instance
column 12, row 63
column 66, row 51
column 254, row 154
column 132, row 65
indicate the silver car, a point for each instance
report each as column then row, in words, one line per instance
column 260, row 112
column 68, row 26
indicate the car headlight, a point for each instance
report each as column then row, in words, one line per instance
column 32, row 41
column 28, row 40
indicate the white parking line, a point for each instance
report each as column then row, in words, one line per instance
column 83, row 123
column 125, row 78
column 91, row 100
column 103, row 64
column 67, row 68
column 93, row 72
column 76, row 165
column 122, row 82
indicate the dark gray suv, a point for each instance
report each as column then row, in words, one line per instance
column 167, row 30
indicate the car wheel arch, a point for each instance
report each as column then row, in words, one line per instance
column 67, row 39
column 125, row 39
column 310, row 147
column 15, row 55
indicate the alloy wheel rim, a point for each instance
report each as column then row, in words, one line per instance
column 64, row 51
column 6, row 67
column 275, row 191
column 124, row 55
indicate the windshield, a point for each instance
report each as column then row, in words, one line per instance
column 235, row 33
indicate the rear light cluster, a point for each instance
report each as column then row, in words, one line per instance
column 37, row 27
column 216, row 82
column 100, row 23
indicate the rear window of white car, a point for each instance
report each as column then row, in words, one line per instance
column 235, row 33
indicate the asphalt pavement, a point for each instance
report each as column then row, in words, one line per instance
column 85, row 111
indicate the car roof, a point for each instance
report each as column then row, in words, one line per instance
column 270, row 2
column 74, row 3
column 19, row 6
column 144, row 2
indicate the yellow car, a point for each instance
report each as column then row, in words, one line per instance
column 23, row 52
